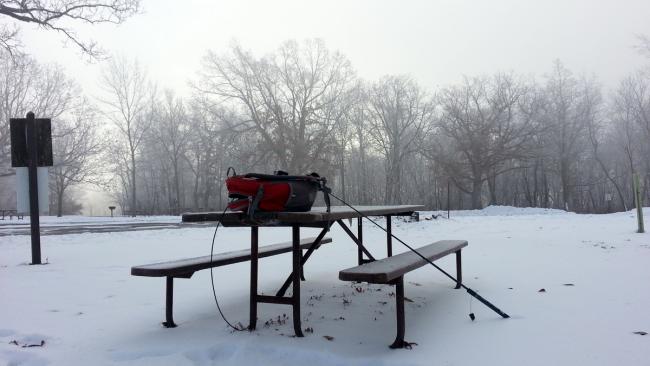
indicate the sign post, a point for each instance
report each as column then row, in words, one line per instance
column 34, row 217
column 31, row 147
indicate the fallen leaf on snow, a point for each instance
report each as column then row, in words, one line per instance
column 542, row 290
column 34, row 345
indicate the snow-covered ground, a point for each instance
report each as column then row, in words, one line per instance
column 89, row 310
column 80, row 220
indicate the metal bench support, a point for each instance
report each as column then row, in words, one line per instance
column 169, row 304
column 315, row 245
column 389, row 236
column 297, row 261
column 356, row 241
column 399, row 308
column 254, row 261
column 360, row 237
column 297, row 256
column 459, row 271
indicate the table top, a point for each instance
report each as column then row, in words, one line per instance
column 317, row 216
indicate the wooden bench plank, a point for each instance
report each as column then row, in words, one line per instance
column 186, row 267
column 388, row 269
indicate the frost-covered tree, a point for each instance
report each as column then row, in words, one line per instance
column 484, row 123
column 400, row 114
column 59, row 15
column 128, row 103
column 290, row 98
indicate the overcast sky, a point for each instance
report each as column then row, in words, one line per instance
column 434, row 41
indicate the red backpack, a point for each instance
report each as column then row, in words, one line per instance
column 272, row 193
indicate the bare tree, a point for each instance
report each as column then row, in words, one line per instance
column 27, row 86
column 358, row 121
column 566, row 115
column 484, row 123
column 400, row 113
column 129, row 101
column 171, row 136
column 643, row 45
column 592, row 106
column 75, row 148
column 57, row 15
column 289, row 98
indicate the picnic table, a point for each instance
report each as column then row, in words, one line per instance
column 9, row 212
column 318, row 217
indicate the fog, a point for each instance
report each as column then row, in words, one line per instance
column 434, row 41
column 565, row 79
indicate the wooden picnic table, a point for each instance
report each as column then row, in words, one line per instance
column 317, row 217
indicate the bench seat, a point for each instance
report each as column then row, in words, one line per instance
column 388, row 269
column 186, row 267
column 391, row 270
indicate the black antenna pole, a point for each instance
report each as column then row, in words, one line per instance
column 469, row 290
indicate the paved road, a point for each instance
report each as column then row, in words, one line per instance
column 23, row 229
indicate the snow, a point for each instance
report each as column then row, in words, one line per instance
column 89, row 310
column 507, row 211
column 79, row 220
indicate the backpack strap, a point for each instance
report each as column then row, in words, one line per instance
column 255, row 202
column 282, row 177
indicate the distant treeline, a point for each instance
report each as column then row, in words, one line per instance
column 556, row 141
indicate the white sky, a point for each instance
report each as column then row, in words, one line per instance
column 434, row 41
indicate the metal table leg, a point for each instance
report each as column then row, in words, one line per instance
column 355, row 240
column 399, row 307
column 297, row 256
column 459, row 270
column 360, row 238
column 254, row 262
column 315, row 245
column 389, row 236
column 169, row 304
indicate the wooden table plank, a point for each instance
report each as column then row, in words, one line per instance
column 317, row 215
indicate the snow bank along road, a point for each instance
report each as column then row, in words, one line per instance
column 84, row 308
column 77, row 225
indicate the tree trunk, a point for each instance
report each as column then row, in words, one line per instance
column 133, row 189
column 177, row 185
column 492, row 187
column 566, row 190
column 59, row 203
column 342, row 172
column 477, row 190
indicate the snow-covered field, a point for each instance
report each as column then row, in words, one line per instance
column 81, row 220
column 84, row 304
